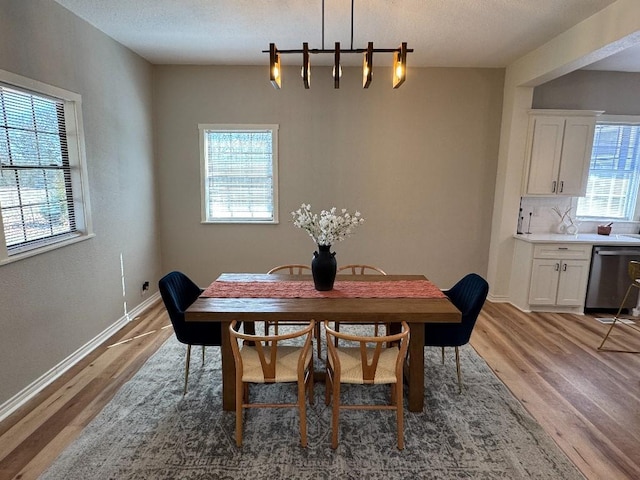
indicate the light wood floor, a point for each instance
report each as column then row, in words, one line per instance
column 588, row 401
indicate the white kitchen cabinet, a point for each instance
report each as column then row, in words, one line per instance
column 551, row 276
column 559, row 144
column 558, row 282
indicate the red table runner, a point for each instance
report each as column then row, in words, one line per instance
column 341, row 289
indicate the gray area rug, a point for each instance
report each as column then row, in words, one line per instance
column 150, row 431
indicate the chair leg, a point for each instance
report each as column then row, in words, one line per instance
column 311, row 384
column 319, row 340
column 615, row 319
column 203, row 355
column 302, row 412
column 458, row 370
column 328, row 382
column 443, row 355
column 399, row 414
column 186, row 368
column 335, row 414
column 239, row 400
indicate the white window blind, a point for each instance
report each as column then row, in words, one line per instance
column 614, row 173
column 239, row 173
column 36, row 195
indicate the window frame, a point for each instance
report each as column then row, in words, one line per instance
column 616, row 120
column 204, row 190
column 72, row 107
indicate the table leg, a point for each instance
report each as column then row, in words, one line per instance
column 228, row 371
column 416, row 367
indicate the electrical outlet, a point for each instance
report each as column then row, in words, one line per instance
column 145, row 286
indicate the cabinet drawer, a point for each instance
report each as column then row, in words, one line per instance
column 565, row 251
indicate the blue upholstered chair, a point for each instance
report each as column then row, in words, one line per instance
column 468, row 295
column 178, row 293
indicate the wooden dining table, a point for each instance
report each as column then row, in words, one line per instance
column 404, row 300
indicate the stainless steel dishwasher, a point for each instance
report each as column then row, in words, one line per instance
column 608, row 278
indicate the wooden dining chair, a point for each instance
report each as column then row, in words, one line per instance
column 269, row 359
column 360, row 269
column 291, row 269
column 365, row 360
column 294, row 269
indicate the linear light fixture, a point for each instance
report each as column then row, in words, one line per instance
column 367, row 66
column 306, row 65
column 337, row 68
column 400, row 66
column 274, row 67
column 399, row 60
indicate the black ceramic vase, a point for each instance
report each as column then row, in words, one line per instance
column 323, row 268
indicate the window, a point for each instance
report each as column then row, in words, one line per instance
column 614, row 172
column 239, row 173
column 41, row 168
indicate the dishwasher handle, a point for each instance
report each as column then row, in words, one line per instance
column 617, row 253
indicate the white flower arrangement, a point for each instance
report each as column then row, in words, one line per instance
column 328, row 227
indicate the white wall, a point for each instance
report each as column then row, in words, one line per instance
column 614, row 92
column 418, row 162
column 52, row 304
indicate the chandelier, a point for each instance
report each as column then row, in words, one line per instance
column 399, row 60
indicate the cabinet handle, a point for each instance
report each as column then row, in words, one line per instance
column 561, row 186
column 553, row 187
column 557, row 267
column 564, row 267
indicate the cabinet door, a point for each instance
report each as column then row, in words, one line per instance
column 572, row 286
column 576, row 156
column 544, row 281
column 546, row 133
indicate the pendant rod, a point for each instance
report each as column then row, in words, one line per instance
column 352, row 1
column 323, row 25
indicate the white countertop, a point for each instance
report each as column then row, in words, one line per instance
column 590, row 238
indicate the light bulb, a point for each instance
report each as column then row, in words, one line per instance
column 399, row 70
column 333, row 71
column 276, row 72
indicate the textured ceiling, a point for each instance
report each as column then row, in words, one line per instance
column 458, row 33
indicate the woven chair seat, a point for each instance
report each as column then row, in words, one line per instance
column 286, row 364
column 351, row 365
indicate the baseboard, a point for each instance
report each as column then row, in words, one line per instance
column 47, row 378
column 498, row 298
